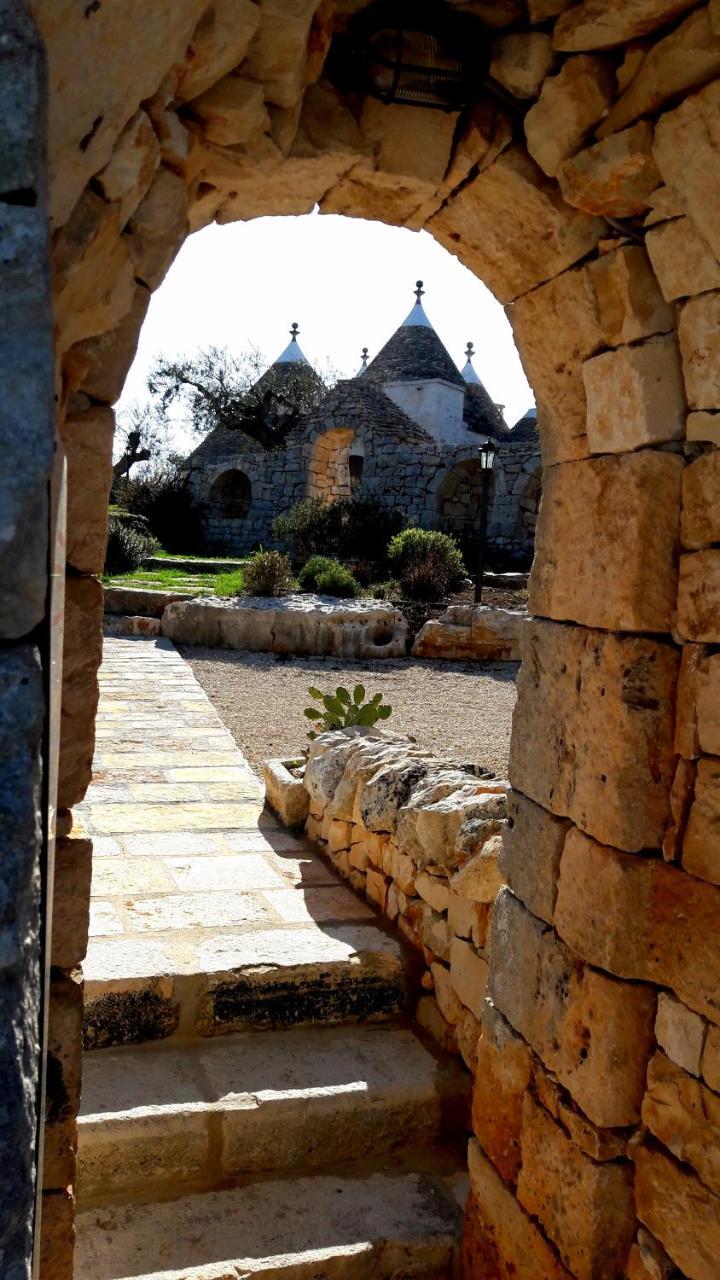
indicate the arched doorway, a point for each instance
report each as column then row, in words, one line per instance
column 335, row 467
column 459, row 501
column 225, row 511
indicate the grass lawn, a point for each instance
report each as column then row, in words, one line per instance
column 200, row 584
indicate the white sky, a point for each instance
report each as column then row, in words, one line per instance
column 348, row 282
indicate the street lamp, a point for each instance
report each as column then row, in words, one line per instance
column 486, row 455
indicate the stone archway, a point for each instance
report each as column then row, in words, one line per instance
column 592, row 216
column 226, row 510
column 329, row 474
column 459, row 499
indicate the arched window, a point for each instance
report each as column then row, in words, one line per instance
column 230, row 496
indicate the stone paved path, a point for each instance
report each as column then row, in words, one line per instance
column 255, row 1102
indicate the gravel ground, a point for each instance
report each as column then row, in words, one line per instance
column 462, row 709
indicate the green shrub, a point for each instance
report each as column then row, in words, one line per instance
column 268, row 573
column 163, row 499
column 428, row 564
column 329, row 577
column 128, row 544
column 389, row 590
column 339, row 709
column 356, row 528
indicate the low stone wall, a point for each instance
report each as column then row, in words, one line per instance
column 139, row 602
column 471, row 632
column 306, row 624
column 420, row 837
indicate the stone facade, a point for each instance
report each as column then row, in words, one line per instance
column 612, row 905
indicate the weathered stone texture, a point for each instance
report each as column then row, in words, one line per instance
column 682, row 259
column 82, row 652
column 592, row 734
column 503, row 1074
column 682, row 1213
column 698, row 611
column 521, row 62
column 87, row 441
column 701, row 846
column 219, row 43
column 606, row 542
column 680, row 1032
column 71, row 898
column 586, row 1207
column 704, row 426
column 530, row 859
column 629, row 298
column 699, row 334
column 635, row 396
column 685, row 1116
column 614, row 178
column 64, row 1071
column 641, row 918
column 511, row 227
column 570, row 103
column 566, row 307
column 595, row 1034
column 597, row 24
column 687, row 153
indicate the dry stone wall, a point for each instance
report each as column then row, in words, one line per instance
column 420, row 837
column 590, row 211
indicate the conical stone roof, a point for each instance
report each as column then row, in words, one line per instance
column 414, row 353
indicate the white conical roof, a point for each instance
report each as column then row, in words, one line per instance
column 469, row 373
column 418, row 316
column 292, row 353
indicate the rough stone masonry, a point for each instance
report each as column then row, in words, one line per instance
column 590, row 211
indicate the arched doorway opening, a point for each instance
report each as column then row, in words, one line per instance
column 459, row 501
column 226, row 510
column 336, row 465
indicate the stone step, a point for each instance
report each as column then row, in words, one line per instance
column 161, row 1117
column 376, row 1226
column 203, row 983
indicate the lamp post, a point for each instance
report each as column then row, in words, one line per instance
column 486, row 454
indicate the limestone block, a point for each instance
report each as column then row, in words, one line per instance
column 291, row 624
column 606, row 542
column 94, row 95
column 136, row 602
column 586, row 1207
column 682, row 259
column 687, row 153
column 635, row 396
column 594, row 1033
column 521, row 61
column 71, row 898
column 428, row 1015
column 680, row 1032
column 500, row 1239
column 665, row 203
column 93, row 278
column 698, row 610
column 511, row 227
column 570, row 103
column 701, row 846
column 450, row 1005
column 479, row 879
column 707, row 700
column 699, row 333
column 57, row 1234
column 409, row 144
column 158, row 227
column 130, row 169
column 384, row 794
column 467, row 1032
column 600, row 1144
column 685, row 1116
column 504, row 1072
column 219, row 42
column 700, row 523
column 641, row 918
column 597, row 24
column 614, row 178
column 681, row 797
column 429, row 823
column 231, row 111
column 630, row 302
column 87, row 441
column 704, row 426
column 690, row 1229
column 277, row 55
column 468, row 975
column 376, row 888
column 711, row 1058
column 461, row 916
column 530, row 856
column 592, row 736
column 493, row 13
column 103, row 361
column 434, row 890
column 364, row 759
column 687, row 741
column 434, row 931
column 473, row 835
column 483, row 634
column 286, row 794
column 82, row 652
column 685, row 59
column 648, row 1260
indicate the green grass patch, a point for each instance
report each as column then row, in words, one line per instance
column 228, row 584
column 199, row 584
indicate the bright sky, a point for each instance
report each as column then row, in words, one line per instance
column 349, row 284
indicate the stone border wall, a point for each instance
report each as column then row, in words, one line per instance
column 420, row 837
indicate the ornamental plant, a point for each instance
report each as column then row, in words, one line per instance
column 340, row 709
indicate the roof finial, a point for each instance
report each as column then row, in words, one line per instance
column 419, row 291
column 469, row 372
column 294, row 330
column 364, row 364
column 470, row 351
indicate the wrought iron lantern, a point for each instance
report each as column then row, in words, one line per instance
column 418, row 52
column 486, row 453
column 486, row 456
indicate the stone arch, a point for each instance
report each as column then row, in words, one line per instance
column 583, row 934
column 230, row 495
column 329, row 476
column 459, row 498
